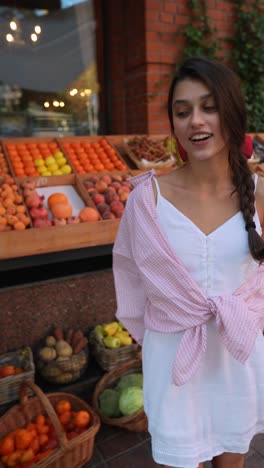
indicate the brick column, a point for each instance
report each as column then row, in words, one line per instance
column 143, row 49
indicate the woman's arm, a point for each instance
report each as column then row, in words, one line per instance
column 130, row 294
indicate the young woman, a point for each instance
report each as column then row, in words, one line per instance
column 189, row 280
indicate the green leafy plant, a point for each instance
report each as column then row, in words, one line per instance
column 248, row 59
column 200, row 37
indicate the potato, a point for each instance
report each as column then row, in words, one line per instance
column 47, row 354
column 63, row 349
column 50, row 341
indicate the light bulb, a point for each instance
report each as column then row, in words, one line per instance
column 9, row 38
column 13, row 25
column 37, row 29
column 34, row 37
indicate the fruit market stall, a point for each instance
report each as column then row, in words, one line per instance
column 68, row 194
column 60, row 195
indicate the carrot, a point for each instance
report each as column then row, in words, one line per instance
column 80, row 345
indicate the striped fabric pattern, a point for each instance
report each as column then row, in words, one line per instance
column 155, row 291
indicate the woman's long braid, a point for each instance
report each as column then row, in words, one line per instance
column 243, row 181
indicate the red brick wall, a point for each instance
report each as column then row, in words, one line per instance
column 143, row 46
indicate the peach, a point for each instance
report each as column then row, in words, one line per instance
column 88, row 184
column 101, row 186
column 128, row 184
column 98, row 198
column 108, row 215
column 116, row 206
column 102, row 207
column 106, row 178
column 117, row 177
column 110, row 197
column 91, row 190
column 123, row 196
column 118, row 214
column 94, row 179
column 116, row 185
column 123, row 189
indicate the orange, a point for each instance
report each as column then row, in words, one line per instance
column 65, row 417
column 62, row 406
column 82, row 419
column 6, row 371
column 40, row 420
column 23, row 439
column 7, row 446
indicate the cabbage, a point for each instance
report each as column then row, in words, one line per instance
column 109, row 403
column 130, row 380
column 131, row 400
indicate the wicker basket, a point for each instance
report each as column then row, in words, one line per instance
column 136, row 422
column 70, row 454
column 10, row 386
column 63, row 372
column 108, row 358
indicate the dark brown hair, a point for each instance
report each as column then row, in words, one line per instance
column 225, row 86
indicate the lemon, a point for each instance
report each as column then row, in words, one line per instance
column 46, row 173
column 58, row 172
column 58, row 155
column 39, row 162
column 42, row 169
column 61, row 161
column 53, row 168
column 50, row 160
column 66, row 169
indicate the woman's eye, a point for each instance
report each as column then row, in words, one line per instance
column 211, row 108
column 182, row 114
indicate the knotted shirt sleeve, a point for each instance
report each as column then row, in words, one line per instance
column 130, row 295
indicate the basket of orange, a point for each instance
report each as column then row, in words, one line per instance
column 15, row 368
column 55, row 430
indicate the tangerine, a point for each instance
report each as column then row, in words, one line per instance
column 82, row 418
column 62, row 406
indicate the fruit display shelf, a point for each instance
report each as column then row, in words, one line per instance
column 25, row 159
column 55, row 236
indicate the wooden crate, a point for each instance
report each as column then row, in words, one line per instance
column 88, row 139
column 34, row 241
column 164, row 164
column 28, row 140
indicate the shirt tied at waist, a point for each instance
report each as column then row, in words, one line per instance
column 237, row 326
column 154, row 290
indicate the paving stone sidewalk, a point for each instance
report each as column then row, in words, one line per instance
column 118, row 448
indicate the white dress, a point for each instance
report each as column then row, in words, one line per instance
column 222, row 407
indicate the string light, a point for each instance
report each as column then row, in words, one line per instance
column 34, row 37
column 46, row 104
column 13, row 25
column 73, row 92
column 37, row 29
column 10, row 38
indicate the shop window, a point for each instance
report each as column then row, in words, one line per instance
column 48, row 73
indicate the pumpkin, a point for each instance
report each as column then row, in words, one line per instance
column 57, row 198
column 89, row 214
column 61, row 210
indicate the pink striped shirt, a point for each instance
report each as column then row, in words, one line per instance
column 155, row 291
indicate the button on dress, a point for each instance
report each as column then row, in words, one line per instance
column 222, row 407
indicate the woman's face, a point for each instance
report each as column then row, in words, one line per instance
column 196, row 121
